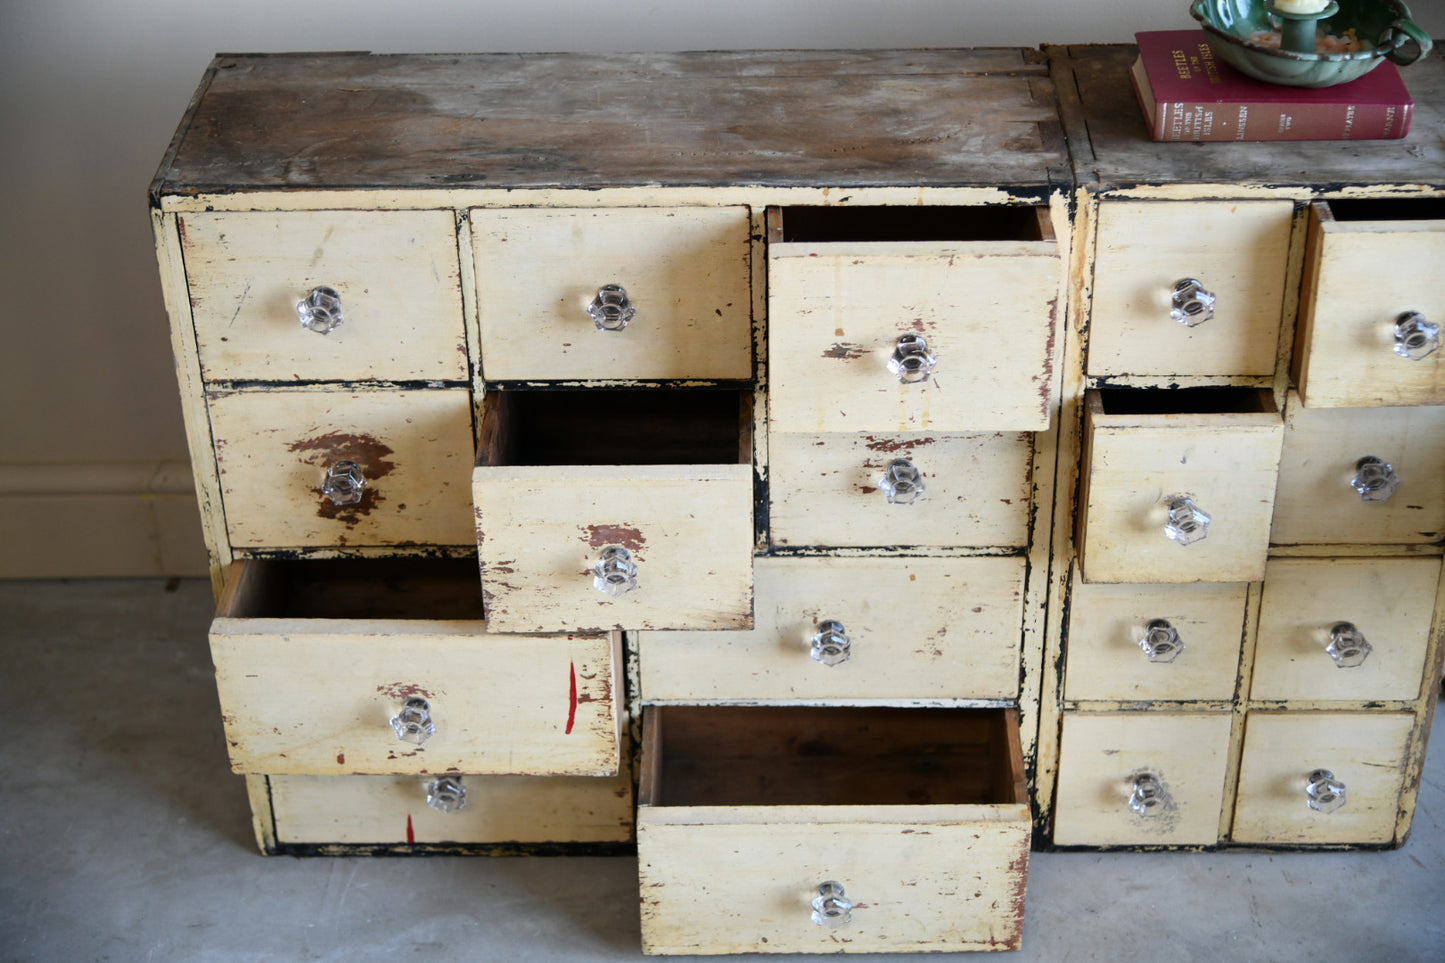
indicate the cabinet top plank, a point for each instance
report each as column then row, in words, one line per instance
column 914, row 118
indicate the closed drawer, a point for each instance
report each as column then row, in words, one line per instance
column 1369, row 266
column 391, row 810
column 1360, row 476
column 685, row 271
column 829, row 489
column 1141, row 778
column 919, row 815
column 1284, row 754
column 656, row 480
column 396, row 273
column 1237, row 250
column 320, row 665
column 275, row 449
column 914, row 628
column 1178, row 485
column 1314, row 613
column 979, row 286
column 1132, row 642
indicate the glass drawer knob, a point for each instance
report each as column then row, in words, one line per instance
column 1415, row 337
column 611, row 310
column 830, row 907
column 344, row 483
column 912, row 362
column 1375, row 479
column 1323, row 792
column 1190, row 303
column 614, row 573
column 446, row 794
column 831, row 644
column 1187, row 523
column 320, row 311
column 1149, row 797
column 902, row 483
column 1161, row 641
column 1348, row 646
column 413, row 723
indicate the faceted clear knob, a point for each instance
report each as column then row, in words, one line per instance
column 611, row 309
column 1375, row 479
column 1323, row 792
column 614, row 573
column 912, row 362
column 344, row 483
column 320, row 311
column 1161, row 642
column 831, row 644
column 1148, row 798
column 1190, row 303
column 413, row 723
column 830, row 907
column 446, row 794
column 1187, row 523
column 1348, row 646
column 1415, row 337
column 902, row 483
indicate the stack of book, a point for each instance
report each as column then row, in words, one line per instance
column 1188, row 94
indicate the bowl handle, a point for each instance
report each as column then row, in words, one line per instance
column 1397, row 34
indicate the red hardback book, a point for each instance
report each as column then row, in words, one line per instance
column 1188, row 94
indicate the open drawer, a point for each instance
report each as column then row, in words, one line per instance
column 828, row 829
column 615, row 508
column 385, row 666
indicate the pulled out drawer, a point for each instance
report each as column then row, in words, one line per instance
column 615, row 508
column 826, row 830
column 385, row 666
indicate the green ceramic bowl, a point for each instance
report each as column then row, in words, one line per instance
column 1384, row 25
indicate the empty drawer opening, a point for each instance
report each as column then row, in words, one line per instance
column 819, row 756
column 1389, row 209
column 1190, row 401
column 616, row 426
column 860, row 224
column 354, row 588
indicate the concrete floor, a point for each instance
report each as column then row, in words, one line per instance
column 126, row 837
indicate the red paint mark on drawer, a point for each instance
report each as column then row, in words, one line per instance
column 572, row 701
column 410, row 833
column 600, row 536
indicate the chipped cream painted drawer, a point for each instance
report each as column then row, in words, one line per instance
column 1364, row 751
column 274, row 449
column 917, row 629
column 660, row 479
column 826, row 489
column 686, row 273
column 1147, row 453
column 1238, row 250
column 1108, row 622
column 1106, row 762
column 1389, row 601
column 1367, row 264
column 920, row 815
column 395, row 271
column 978, row 285
column 315, row 661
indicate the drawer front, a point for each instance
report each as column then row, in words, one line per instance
column 274, row 450
column 987, row 311
column 1238, row 250
column 1137, row 466
column 360, row 810
column 1364, row 751
column 321, row 696
column 1329, row 494
column 396, row 273
column 916, row 628
column 1389, row 601
column 829, row 489
column 1104, row 764
column 1193, row 655
column 685, row 271
column 1361, row 276
column 541, row 530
